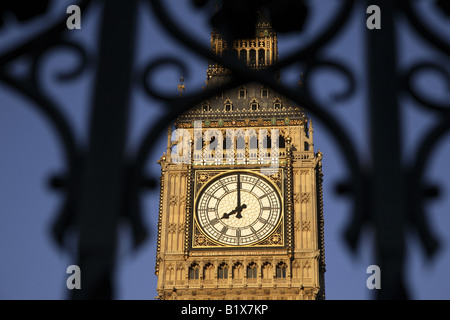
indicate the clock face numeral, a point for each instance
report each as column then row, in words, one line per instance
column 238, row 209
column 214, row 221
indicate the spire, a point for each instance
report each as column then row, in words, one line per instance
column 181, row 86
column 169, row 140
column 311, row 128
column 311, row 134
column 301, row 82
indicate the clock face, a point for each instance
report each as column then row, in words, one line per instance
column 238, row 209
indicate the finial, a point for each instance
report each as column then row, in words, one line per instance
column 319, row 154
column 181, row 86
column 311, row 128
column 169, row 140
column 288, row 146
column 300, row 82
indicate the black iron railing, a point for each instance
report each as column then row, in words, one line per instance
column 104, row 184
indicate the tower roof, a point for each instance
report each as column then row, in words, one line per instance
column 251, row 101
column 250, row 104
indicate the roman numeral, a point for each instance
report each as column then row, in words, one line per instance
column 224, row 186
column 214, row 221
column 224, row 230
column 254, row 185
column 254, row 232
column 211, row 196
column 262, row 220
column 265, row 195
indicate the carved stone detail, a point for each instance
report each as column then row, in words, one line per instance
column 306, row 196
column 306, row 225
column 181, row 227
column 171, row 228
column 173, row 200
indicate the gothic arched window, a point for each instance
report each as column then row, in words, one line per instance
column 208, row 272
column 281, row 270
column 252, row 271
column 277, row 104
column 242, row 93
column 254, row 105
column 228, row 106
column 237, row 270
column 253, row 143
column 266, row 271
column 252, row 57
column 261, row 57
column 223, row 271
column 194, row 271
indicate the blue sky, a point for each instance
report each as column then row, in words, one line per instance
column 32, row 267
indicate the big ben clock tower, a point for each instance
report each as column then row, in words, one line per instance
column 240, row 212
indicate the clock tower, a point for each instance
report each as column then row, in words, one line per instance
column 240, row 211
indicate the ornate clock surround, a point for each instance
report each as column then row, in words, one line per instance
column 199, row 240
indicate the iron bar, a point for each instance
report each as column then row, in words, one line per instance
column 387, row 184
column 102, row 186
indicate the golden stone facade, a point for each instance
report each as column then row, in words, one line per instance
column 240, row 213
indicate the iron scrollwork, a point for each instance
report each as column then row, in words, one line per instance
column 360, row 185
column 131, row 177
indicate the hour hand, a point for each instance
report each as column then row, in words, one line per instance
column 236, row 211
column 239, row 210
column 227, row 215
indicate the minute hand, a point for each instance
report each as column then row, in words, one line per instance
column 238, row 190
column 239, row 207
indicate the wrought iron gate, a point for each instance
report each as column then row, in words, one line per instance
column 104, row 184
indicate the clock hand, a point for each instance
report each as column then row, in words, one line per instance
column 227, row 215
column 238, row 191
column 239, row 210
column 236, row 211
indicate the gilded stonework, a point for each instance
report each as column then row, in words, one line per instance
column 241, row 210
